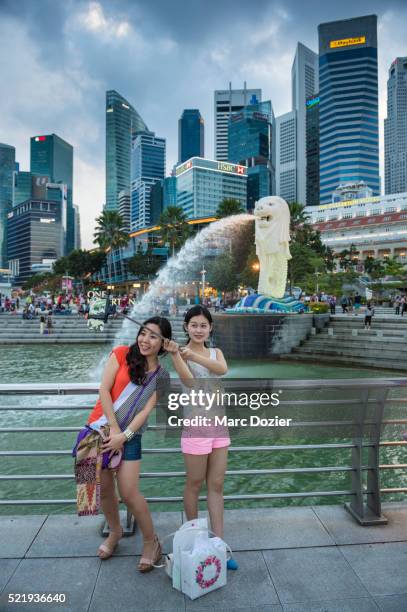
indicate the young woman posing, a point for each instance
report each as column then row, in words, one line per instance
column 205, row 457
column 130, row 382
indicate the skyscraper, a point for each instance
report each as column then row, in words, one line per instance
column 7, row 166
column 286, row 156
column 395, row 128
column 251, row 143
column 348, row 109
column 51, row 156
column 190, row 135
column 312, row 150
column 122, row 124
column 227, row 102
column 304, row 84
column 147, row 167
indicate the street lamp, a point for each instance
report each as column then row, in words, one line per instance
column 203, row 272
column 256, row 266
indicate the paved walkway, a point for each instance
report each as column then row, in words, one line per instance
column 290, row 559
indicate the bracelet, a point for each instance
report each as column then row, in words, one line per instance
column 129, row 434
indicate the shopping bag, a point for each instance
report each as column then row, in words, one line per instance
column 203, row 569
column 184, row 539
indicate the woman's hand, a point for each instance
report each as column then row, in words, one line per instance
column 114, row 442
column 186, row 353
column 171, row 346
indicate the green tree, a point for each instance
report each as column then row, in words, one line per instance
column 348, row 258
column 374, row 267
column 393, row 267
column 80, row 263
column 222, row 273
column 174, row 227
column 110, row 235
column 251, row 269
column 228, row 207
column 144, row 264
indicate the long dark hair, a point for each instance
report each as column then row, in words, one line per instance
column 136, row 362
column 195, row 311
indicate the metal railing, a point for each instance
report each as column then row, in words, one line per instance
column 367, row 399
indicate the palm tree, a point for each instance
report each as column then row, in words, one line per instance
column 298, row 216
column 110, row 235
column 174, row 227
column 228, row 207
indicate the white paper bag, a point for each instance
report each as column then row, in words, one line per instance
column 203, row 569
column 184, row 539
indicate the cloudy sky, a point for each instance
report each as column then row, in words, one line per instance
column 58, row 57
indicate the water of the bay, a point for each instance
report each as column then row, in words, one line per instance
column 81, row 363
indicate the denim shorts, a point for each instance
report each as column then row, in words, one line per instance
column 132, row 449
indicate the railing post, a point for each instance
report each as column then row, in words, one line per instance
column 373, row 498
column 368, row 513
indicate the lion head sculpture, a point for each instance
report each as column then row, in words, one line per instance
column 272, row 220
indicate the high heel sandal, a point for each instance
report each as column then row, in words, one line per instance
column 145, row 564
column 106, row 550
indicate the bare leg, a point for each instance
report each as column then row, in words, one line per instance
column 110, row 507
column 196, row 467
column 215, row 476
column 128, row 482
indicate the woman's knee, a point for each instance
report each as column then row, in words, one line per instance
column 194, row 484
column 215, row 485
column 129, row 495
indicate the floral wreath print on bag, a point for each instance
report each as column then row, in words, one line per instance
column 200, row 578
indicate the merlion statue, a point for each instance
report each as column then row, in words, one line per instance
column 272, row 236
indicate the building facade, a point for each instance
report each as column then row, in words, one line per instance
column 286, row 156
column 36, row 237
column 125, row 208
column 52, row 157
column 226, row 102
column 78, row 240
column 251, row 143
column 7, row 168
column 170, row 191
column 304, row 84
column 348, row 108
column 202, row 184
column 395, row 128
column 312, row 150
column 122, row 124
column 191, row 135
column 376, row 225
column 147, row 167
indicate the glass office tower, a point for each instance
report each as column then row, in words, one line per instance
column 348, row 108
column 190, row 135
column 312, row 150
column 122, row 124
column 147, row 167
column 251, row 143
column 395, row 128
column 202, row 184
column 7, row 167
column 52, row 156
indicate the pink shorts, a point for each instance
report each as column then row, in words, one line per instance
column 202, row 446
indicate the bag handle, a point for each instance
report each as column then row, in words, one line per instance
column 202, row 530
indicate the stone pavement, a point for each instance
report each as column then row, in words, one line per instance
column 304, row 559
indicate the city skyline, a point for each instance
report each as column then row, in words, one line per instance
column 83, row 53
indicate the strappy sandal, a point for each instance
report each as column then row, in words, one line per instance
column 106, row 550
column 145, row 564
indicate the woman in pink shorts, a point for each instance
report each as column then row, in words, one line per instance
column 205, row 456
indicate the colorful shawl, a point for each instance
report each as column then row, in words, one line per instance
column 88, row 466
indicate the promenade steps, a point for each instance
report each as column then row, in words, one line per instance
column 346, row 342
column 72, row 329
